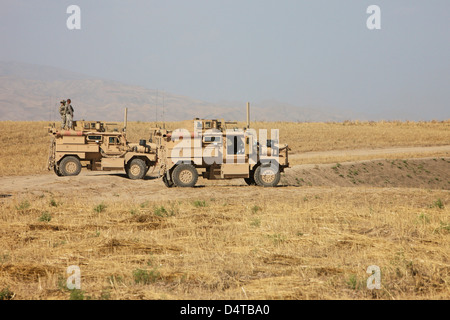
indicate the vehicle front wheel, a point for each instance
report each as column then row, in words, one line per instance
column 185, row 175
column 69, row 166
column 251, row 179
column 267, row 176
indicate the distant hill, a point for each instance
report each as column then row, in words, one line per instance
column 32, row 92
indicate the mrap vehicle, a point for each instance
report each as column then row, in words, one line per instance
column 98, row 145
column 218, row 150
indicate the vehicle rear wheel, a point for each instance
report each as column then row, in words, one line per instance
column 69, row 166
column 136, row 169
column 185, row 175
column 267, row 176
column 251, row 179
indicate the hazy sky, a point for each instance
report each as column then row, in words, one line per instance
column 311, row 53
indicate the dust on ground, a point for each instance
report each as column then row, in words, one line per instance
column 431, row 173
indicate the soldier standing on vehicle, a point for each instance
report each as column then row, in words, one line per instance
column 62, row 112
column 69, row 114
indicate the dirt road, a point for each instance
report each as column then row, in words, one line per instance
column 381, row 152
column 94, row 186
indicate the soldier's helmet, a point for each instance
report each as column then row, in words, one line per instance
column 63, row 102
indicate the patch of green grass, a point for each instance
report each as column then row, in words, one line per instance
column 105, row 295
column 438, row 204
column 336, row 167
column 100, row 208
column 142, row 276
column 444, row 227
column 255, row 222
column 423, row 218
column 255, row 209
column 144, row 204
column 160, row 211
column 354, row 283
column 53, row 203
column 45, row 217
column 23, row 205
column 199, row 203
column 76, row 294
column 6, row 294
column 277, row 238
column 4, row 258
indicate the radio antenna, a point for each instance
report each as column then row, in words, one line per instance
column 163, row 120
column 156, row 107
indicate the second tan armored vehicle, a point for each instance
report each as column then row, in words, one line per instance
column 218, row 150
column 98, row 146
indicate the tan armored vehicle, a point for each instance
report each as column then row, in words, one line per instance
column 98, row 146
column 218, row 150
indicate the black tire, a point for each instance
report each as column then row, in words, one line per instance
column 266, row 176
column 251, row 179
column 185, row 176
column 58, row 173
column 136, row 169
column 168, row 183
column 69, row 166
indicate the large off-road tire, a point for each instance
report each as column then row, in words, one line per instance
column 267, row 176
column 168, row 183
column 185, row 175
column 69, row 166
column 136, row 169
column 251, row 179
column 58, row 173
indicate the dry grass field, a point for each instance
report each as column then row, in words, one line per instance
column 313, row 237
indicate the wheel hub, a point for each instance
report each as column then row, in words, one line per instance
column 185, row 176
column 71, row 167
column 135, row 170
column 267, row 176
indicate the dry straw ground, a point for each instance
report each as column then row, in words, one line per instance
column 230, row 241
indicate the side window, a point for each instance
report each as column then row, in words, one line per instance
column 94, row 138
column 211, row 139
column 113, row 140
column 235, row 144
